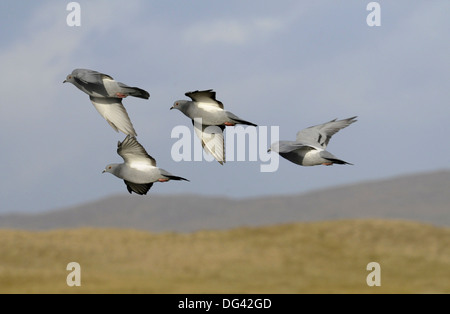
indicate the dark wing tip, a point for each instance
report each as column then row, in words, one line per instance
column 125, row 142
column 140, row 189
column 191, row 94
column 129, row 189
column 200, row 91
column 126, row 139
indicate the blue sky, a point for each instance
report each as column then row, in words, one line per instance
column 289, row 64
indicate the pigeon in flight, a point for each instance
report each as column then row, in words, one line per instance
column 106, row 95
column 209, row 119
column 139, row 170
column 309, row 149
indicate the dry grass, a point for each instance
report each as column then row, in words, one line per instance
column 320, row 257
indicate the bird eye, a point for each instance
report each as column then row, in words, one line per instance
column 109, row 167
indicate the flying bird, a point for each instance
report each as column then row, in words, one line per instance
column 106, row 95
column 209, row 119
column 139, row 170
column 309, row 149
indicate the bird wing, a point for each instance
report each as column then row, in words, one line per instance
column 133, row 152
column 212, row 139
column 115, row 113
column 90, row 76
column 137, row 188
column 289, row 146
column 321, row 134
column 206, row 97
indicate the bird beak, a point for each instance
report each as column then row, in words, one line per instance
column 64, row 81
column 171, row 108
column 103, row 171
column 269, row 150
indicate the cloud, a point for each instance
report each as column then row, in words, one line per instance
column 232, row 31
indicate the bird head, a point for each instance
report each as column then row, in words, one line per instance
column 69, row 79
column 179, row 104
column 110, row 168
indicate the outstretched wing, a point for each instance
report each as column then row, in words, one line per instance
column 320, row 135
column 205, row 97
column 212, row 139
column 90, row 76
column 284, row 147
column 140, row 189
column 114, row 112
column 133, row 152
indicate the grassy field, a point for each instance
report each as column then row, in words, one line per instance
column 319, row 257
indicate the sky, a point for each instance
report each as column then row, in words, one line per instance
column 284, row 65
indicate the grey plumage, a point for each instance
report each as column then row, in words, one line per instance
column 98, row 84
column 309, row 148
column 206, row 111
column 139, row 170
column 106, row 95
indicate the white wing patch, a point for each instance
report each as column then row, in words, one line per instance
column 212, row 140
column 111, row 86
column 142, row 165
column 205, row 96
column 114, row 112
column 209, row 107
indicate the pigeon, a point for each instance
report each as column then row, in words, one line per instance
column 139, row 170
column 309, row 149
column 209, row 119
column 106, row 95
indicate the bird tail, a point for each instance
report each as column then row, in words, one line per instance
column 138, row 92
column 133, row 91
column 238, row 120
column 339, row 161
column 172, row 177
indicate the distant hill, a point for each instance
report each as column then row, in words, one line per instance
column 421, row 197
column 315, row 257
